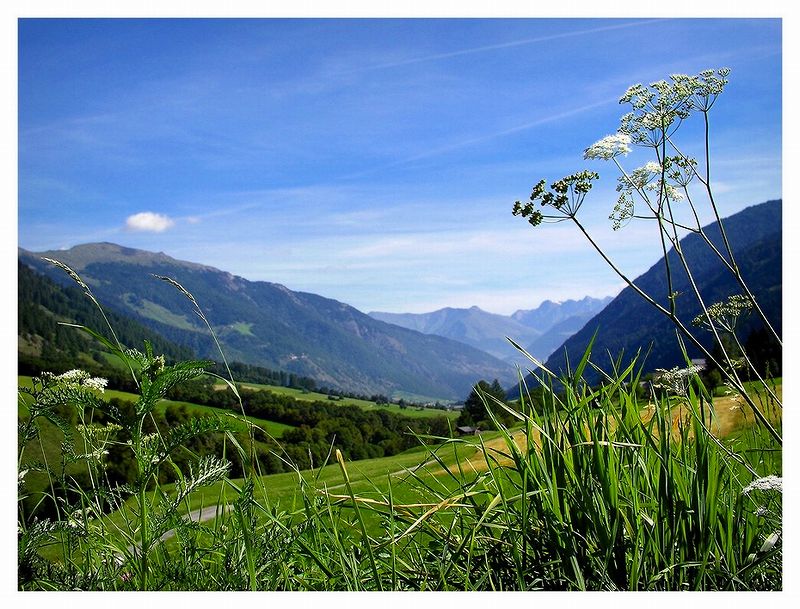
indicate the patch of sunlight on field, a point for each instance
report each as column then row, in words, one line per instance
column 729, row 415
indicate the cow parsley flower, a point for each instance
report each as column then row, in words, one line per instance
column 668, row 190
column 676, row 379
column 727, row 315
column 622, row 212
column 81, row 378
column 769, row 483
column 638, row 178
column 609, row 147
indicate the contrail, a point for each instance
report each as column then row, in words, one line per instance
column 482, row 138
column 505, row 45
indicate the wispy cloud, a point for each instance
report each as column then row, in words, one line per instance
column 464, row 143
column 504, row 45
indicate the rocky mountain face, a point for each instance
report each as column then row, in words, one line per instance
column 539, row 330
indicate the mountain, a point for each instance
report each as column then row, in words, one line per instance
column 556, row 335
column 45, row 344
column 629, row 323
column 267, row 324
column 550, row 313
column 539, row 330
column 473, row 326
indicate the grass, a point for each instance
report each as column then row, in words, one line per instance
column 273, row 428
column 592, row 490
column 312, row 396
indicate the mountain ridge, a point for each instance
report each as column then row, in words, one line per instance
column 268, row 324
column 628, row 323
column 481, row 329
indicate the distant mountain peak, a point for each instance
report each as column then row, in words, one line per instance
column 488, row 331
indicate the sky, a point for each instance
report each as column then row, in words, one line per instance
column 375, row 162
column 371, row 161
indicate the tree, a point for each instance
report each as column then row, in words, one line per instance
column 480, row 398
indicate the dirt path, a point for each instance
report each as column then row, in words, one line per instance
column 199, row 515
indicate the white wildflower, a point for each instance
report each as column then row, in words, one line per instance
column 726, row 315
column 609, row 147
column 669, row 191
column 96, row 382
column 82, row 378
column 676, row 379
column 769, row 483
column 73, row 376
column 761, row 511
column 96, row 455
column 638, row 178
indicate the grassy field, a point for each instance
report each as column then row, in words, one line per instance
column 273, row 428
column 370, row 478
column 465, row 492
column 410, row 475
column 311, row 396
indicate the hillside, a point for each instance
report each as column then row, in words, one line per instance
column 44, row 343
column 267, row 324
column 629, row 323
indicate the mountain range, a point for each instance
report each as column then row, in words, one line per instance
column 269, row 325
column 540, row 331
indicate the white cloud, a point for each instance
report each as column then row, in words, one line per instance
column 148, row 221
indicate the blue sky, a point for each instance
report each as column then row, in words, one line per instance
column 371, row 161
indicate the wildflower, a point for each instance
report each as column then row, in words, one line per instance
column 72, row 376
column 725, row 314
column 638, row 178
column 638, row 96
column 609, row 147
column 676, row 379
column 96, row 383
column 761, row 511
column 565, row 196
column 680, row 169
column 656, row 108
column 769, row 483
column 96, row 455
column 622, row 212
column 670, row 192
column 81, row 378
